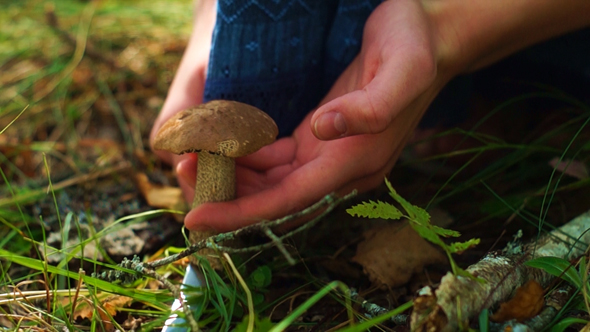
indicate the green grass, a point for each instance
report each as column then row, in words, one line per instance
column 67, row 115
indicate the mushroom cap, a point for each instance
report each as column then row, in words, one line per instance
column 222, row 127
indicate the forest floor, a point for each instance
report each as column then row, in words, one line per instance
column 81, row 83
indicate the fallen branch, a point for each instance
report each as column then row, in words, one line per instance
column 458, row 299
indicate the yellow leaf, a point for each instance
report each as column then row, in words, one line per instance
column 110, row 303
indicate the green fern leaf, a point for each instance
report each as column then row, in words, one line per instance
column 374, row 210
column 419, row 219
column 459, row 247
column 428, row 234
column 415, row 213
column 445, row 232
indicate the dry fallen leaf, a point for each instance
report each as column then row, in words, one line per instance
column 160, row 196
column 109, row 306
column 392, row 254
column 116, row 302
column 526, row 304
column 110, row 303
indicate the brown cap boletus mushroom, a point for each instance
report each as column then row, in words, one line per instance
column 218, row 131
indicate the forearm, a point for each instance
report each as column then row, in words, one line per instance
column 191, row 72
column 473, row 34
column 200, row 41
column 186, row 89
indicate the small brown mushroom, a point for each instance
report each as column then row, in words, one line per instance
column 218, row 131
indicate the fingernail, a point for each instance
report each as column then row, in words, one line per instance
column 330, row 125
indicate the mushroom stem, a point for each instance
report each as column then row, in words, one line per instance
column 216, row 179
column 216, row 182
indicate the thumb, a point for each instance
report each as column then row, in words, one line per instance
column 365, row 111
column 371, row 108
column 368, row 110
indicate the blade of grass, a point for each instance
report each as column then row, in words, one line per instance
column 140, row 295
column 543, row 213
column 251, row 313
column 290, row 319
column 14, row 120
column 81, row 39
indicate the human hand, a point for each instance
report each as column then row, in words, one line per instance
column 411, row 49
column 293, row 173
column 397, row 64
column 394, row 73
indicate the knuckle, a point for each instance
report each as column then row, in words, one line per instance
column 376, row 114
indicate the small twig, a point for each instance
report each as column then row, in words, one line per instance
column 212, row 242
column 374, row 310
column 277, row 242
column 48, row 297
column 81, row 273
